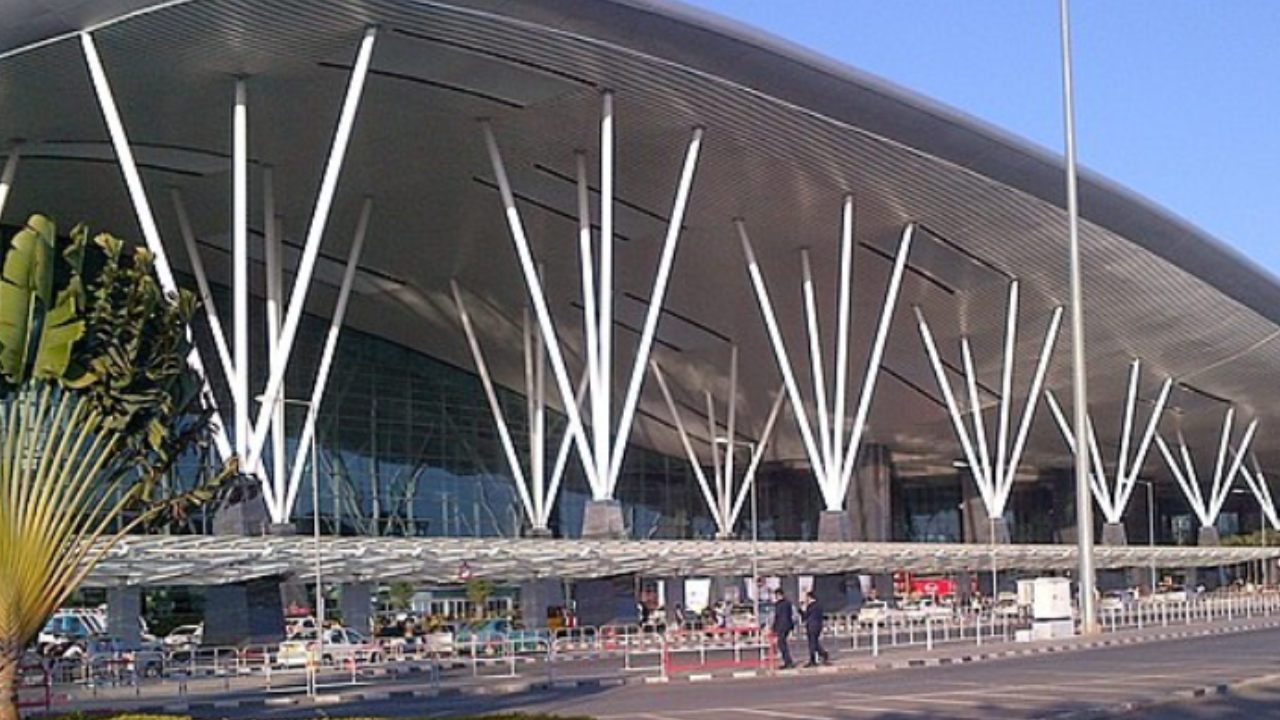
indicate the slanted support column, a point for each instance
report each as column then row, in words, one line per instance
column 601, row 443
column 7, row 175
column 832, row 452
column 994, row 476
column 146, row 219
column 311, row 247
column 240, row 263
column 1229, row 463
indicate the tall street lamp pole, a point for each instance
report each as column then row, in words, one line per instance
column 755, row 529
column 995, row 580
column 1151, row 529
column 315, row 521
column 1084, row 494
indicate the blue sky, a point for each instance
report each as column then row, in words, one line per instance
column 1178, row 100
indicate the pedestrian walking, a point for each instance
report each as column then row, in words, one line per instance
column 811, row 613
column 783, row 624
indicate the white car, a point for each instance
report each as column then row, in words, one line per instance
column 875, row 612
column 340, row 645
column 184, row 637
column 925, row 609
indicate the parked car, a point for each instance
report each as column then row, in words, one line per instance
column 1177, row 593
column 69, row 626
column 339, row 645
column 494, row 636
column 435, row 642
column 925, row 609
column 106, row 657
column 184, row 637
column 305, row 626
column 876, row 612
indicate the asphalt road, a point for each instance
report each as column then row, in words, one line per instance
column 1094, row 683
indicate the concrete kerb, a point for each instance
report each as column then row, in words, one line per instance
column 1177, row 696
column 996, row 652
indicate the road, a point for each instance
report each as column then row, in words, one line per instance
column 1095, row 683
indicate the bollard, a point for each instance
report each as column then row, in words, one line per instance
column 875, row 641
column 928, row 634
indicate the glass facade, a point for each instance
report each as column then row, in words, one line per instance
column 408, row 447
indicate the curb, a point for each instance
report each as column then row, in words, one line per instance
column 1203, row 691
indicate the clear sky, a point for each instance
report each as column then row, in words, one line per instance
column 1178, row 100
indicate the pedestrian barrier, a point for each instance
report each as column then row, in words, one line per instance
column 737, row 648
column 623, row 649
column 35, row 685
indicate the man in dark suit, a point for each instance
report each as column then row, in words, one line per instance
column 783, row 624
column 811, row 613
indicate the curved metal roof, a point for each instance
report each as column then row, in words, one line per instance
column 787, row 135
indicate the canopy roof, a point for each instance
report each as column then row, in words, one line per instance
column 172, row 560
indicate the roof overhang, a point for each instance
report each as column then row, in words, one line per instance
column 193, row 560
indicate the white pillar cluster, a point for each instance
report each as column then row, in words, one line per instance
column 993, row 470
column 833, row 453
column 601, row 437
column 536, row 487
column 279, row 491
column 724, row 500
column 1113, row 495
column 1228, row 463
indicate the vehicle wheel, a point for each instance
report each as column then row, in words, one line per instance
column 375, row 658
column 326, row 660
column 151, row 671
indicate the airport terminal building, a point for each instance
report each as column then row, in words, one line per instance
column 580, row 271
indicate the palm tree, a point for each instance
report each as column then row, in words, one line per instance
column 97, row 401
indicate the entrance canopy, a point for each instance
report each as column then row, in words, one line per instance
column 190, row 560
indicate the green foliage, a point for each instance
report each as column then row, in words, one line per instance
column 478, row 592
column 400, row 595
column 97, row 402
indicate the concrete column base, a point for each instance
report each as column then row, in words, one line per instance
column 602, row 520
column 673, row 601
column 357, row 605
column 997, row 532
column 124, row 607
column 834, row 526
column 246, row 613
column 1114, row 535
column 606, row 601
column 1208, row 537
column 536, row 596
column 540, row 532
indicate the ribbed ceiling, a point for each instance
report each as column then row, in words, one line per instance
column 781, row 166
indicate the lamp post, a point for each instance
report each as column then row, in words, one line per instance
column 755, row 529
column 1151, row 531
column 315, row 520
column 995, row 580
